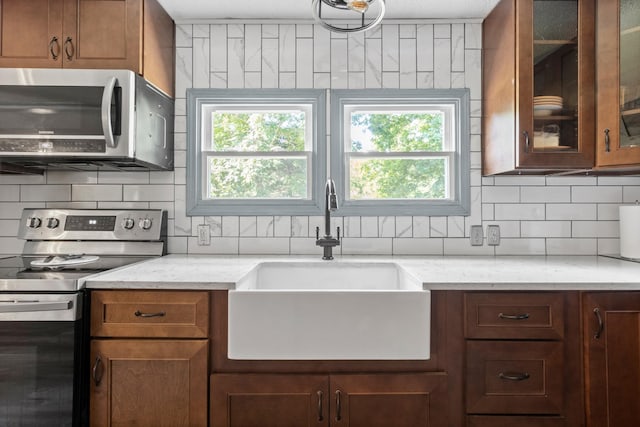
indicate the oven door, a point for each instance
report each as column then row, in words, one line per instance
column 42, row 360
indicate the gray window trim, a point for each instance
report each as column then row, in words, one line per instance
column 196, row 205
column 458, row 205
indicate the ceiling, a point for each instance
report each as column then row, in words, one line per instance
column 183, row 10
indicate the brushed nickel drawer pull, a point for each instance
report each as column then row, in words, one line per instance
column 338, row 405
column 523, row 316
column 514, row 376
column 138, row 313
column 598, row 333
column 320, row 417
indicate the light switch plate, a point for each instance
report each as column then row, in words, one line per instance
column 204, row 235
column 476, row 235
column 493, row 235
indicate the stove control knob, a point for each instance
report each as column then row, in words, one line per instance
column 128, row 223
column 34, row 222
column 52, row 222
column 145, row 224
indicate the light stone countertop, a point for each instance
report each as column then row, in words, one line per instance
column 206, row 272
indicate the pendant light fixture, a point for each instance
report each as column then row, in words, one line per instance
column 358, row 6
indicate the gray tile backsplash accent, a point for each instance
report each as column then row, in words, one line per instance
column 536, row 214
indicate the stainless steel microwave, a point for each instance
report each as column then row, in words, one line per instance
column 83, row 120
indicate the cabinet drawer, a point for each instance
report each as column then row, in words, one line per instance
column 509, row 421
column 164, row 314
column 515, row 377
column 514, row 315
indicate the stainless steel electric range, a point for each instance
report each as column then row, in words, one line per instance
column 44, row 310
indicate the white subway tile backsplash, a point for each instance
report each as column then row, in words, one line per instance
column 369, row 226
column 545, row 195
column 595, row 229
column 554, row 215
column 530, row 211
column 568, row 211
column 263, row 245
column 46, row 193
column 417, row 246
column 572, row 246
column 11, row 245
column 97, row 193
column 545, row 228
column 367, row 246
column 607, row 194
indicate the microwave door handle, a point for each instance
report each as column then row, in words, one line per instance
column 106, row 112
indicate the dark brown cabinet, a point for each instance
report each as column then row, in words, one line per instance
column 374, row 400
column 523, row 355
column 149, row 358
column 612, row 346
column 618, row 96
column 538, row 86
column 136, row 35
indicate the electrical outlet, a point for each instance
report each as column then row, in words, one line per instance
column 493, row 235
column 204, row 235
column 476, row 235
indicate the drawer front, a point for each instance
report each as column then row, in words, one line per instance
column 511, row 421
column 162, row 314
column 515, row 377
column 514, row 315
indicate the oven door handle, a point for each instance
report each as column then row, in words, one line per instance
column 17, row 306
column 107, row 129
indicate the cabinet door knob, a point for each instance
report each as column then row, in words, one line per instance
column 68, row 43
column 54, row 43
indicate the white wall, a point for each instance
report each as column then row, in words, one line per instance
column 537, row 215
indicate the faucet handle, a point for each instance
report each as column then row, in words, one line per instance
column 317, row 233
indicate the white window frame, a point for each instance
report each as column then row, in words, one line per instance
column 201, row 103
column 454, row 103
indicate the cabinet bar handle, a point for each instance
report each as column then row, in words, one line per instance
column 523, row 316
column 514, row 376
column 338, row 405
column 138, row 313
column 607, row 141
column 52, row 43
column 320, row 417
column 527, row 140
column 69, row 42
column 598, row 333
column 95, row 375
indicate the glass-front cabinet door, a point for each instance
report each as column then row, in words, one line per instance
column 556, row 93
column 538, row 61
column 618, row 71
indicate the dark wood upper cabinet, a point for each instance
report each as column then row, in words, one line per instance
column 135, row 35
column 618, row 100
column 538, row 87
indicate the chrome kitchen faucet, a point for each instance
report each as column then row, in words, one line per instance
column 327, row 242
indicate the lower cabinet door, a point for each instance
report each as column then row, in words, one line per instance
column 154, row 383
column 385, row 400
column 261, row 400
column 514, row 421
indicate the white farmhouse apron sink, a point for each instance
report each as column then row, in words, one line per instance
column 329, row 311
